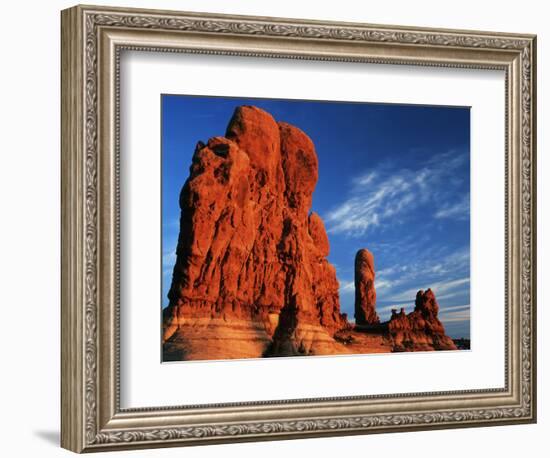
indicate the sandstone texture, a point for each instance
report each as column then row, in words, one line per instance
column 420, row 329
column 250, row 251
column 251, row 277
column 365, row 293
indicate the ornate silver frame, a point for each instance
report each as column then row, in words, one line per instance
column 92, row 38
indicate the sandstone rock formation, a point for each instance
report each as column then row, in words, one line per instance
column 249, row 253
column 365, row 293
column 251, row 277
column 420, row 329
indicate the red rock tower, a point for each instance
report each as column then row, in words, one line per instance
column 365, row 292
column 251, row 258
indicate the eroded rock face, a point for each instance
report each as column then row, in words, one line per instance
column 420, row 329
column 249, row 253
column 365, row 292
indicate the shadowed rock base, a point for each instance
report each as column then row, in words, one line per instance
column 214, row 338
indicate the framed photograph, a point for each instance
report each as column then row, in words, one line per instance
column 277, row 228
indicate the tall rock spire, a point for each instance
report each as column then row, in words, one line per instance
column 250, row 254
column 365, row 292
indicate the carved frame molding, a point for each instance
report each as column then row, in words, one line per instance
column 92, row 39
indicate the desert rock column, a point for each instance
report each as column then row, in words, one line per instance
column 365, row 293
column 251, row 270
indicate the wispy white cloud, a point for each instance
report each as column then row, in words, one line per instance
column 384, row 284
column 383, row 311
column 366, row 179
column 455, row 308
column 382, row 196
column 458, row 260
column 173, row 223
column 347, row 287
column 450, row 289
column 169, row 258
column 166, row 272
column 457, row 314
column 393, row 283
column 455, row 210
column 168, row 261
column 394, row 270
column 375, row 199
column 442, row 290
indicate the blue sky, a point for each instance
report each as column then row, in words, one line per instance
column 392, row 178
